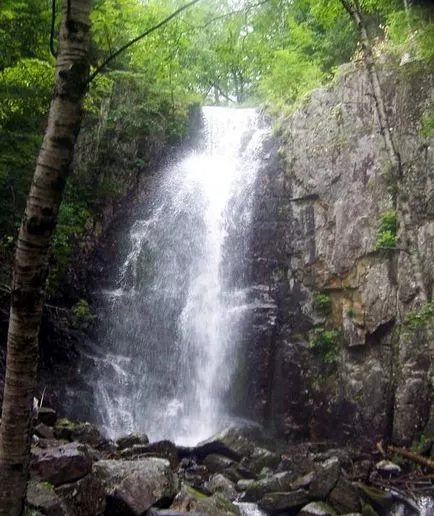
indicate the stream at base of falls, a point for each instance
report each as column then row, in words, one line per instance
column 167, row 345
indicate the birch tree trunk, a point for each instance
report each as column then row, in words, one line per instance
column 407, row 236
column 31, row 258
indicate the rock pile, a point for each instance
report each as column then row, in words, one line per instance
column 75, row 471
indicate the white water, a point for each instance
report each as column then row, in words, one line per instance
column 169, row 343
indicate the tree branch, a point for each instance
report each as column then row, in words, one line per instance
column 138, row 38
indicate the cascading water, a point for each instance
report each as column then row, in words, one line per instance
column 169, row 340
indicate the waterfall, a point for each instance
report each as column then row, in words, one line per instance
column 169, row 338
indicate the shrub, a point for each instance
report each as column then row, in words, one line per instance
column 387, row 232
column 322, row 304
column 324, row 344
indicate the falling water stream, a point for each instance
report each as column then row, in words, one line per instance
column 169, row 341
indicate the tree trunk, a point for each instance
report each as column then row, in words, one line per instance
column 407, row 236
column 31, row 258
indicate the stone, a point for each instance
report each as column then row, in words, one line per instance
column 183, row 502
column 44, row 431
column 61, row 464
column 325, row 477
column 47, row 416
column 216, row 505
column 345, row 497
column 244, row 484
column 387, row 467
column 85, row 433
column 132, row 439
column 273, row 483
column 317, row 509
column 274, row 503
column 263, row 458
column 230, row 443
column 216, row 463
column 303, row 482
column 84, row 497
column 42, row 497
column 376, row 497
column 220, row 484
column 135, row 486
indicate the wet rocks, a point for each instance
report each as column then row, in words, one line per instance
column 131, row 440
column 61, row 464
column 137, row 484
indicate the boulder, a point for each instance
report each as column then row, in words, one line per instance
column 84, row 433
column 47, row 416
column 220, row 484
column 230, row 443
column 388, row 468
column 44, row 431
column 317, row 509
column 42, row 497
column 326, row 475
column 378, row 498
column 272, row 484
column 134, row 486
column 183, row 502
column 83, row 498
column 216, row 463
column 274, row 503
column 61, row 464
column 262, row 458
column 345, row 497
column 216, row 505
column 128, row 441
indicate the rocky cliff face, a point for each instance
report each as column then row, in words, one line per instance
column 341, row 343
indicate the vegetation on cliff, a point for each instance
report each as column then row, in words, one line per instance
column 269, row 51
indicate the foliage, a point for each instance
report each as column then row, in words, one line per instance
column 427, row 125
column 83, row 314
column 218, row 52
column 324, row 344
column 322, row 303
column 417, row 319
column 387, row 232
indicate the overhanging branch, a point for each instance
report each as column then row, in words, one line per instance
column 138, row 38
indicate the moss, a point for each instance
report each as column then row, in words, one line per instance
column 418, row 319
column 387, row 237
column 322, row 304
column 198, row 495
column 66, row 423
column 324, row 344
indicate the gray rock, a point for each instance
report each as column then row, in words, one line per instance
column 220, row 484
column 85, row 433
column 345, row 497
column 128, row 441
column 304, row 481
column 216, row 505
column 83, row 498
column 325, row 478
column 277, row 502
column 47, row 416
column 262, row 458
column 136, row 485
column 217, row 463
column 274, row 483
column 231, row 439
column 317, row 509
column 244, row 484
column 42, row 497
column 44, row 431
column 388, row 467
column 61, row 464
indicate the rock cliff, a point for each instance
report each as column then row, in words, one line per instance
column 340, row 343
